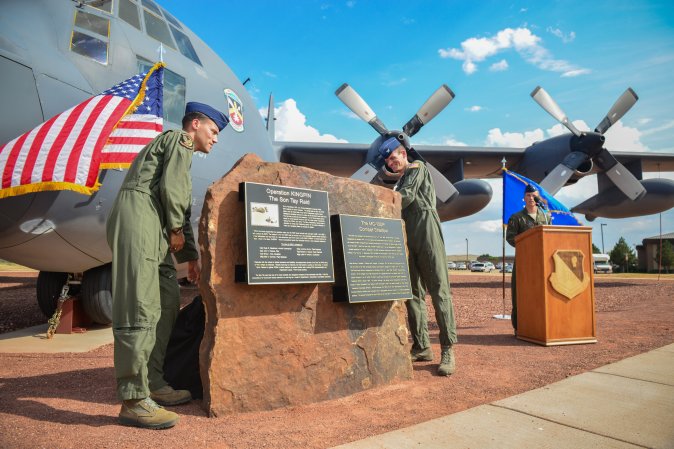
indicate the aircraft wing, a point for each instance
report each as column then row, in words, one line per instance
column 455, row 162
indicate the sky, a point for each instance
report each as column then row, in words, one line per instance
column 492, row 54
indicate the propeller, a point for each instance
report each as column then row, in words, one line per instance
column 589, row 146
column 444, row 189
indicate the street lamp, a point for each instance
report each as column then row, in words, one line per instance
column 466, row 253
column 602, row 238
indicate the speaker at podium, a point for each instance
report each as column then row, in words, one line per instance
column 555, row 285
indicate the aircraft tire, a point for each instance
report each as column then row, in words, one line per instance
column 49, row 286
column 97, row 294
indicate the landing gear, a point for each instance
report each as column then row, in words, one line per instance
column 96, row 294
column 49, row 286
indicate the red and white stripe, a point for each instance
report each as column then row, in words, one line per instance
column 66, row 148
column 132, row 134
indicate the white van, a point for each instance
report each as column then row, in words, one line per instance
column 602, row 263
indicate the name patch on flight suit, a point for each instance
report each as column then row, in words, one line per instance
column 186, row 141
column 413, row 165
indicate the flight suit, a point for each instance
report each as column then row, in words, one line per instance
column 153, row 199
column 427, row 257
column 517, row 224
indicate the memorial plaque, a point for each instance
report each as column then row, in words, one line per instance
column 287, row 235
column 375, row 259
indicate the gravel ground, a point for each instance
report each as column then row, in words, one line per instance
column 68, row 400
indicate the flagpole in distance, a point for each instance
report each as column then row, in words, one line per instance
column 503, row 316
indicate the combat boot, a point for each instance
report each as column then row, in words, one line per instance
column 422, row 355
column 147, row 414
column 447, row 363
column 166, row 395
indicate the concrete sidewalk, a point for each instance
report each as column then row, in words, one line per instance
column 34, row 340
column 625, row 404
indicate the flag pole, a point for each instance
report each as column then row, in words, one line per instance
column 503, row 316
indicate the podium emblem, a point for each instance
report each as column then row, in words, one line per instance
column 569, row 279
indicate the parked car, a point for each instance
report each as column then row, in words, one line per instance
column 603, row 267
column 479, row 266
column 490, row 266
column 451, row 265
column 460, row 266
column 507, row 269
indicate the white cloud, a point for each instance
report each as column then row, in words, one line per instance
column 270, row 74
column 350, row 4
column 397, row 82
column 497, row 138
column 621, row 137
column 291, row 125
column 574, row 73
column 500, row 66
column 657, row 129
column 474, row 108
column 566, row 38
column 522, row 40
column 453, row 142
column 644, row 121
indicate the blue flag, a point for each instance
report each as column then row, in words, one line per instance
column 513, row 200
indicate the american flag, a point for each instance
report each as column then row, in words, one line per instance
column 67, row 151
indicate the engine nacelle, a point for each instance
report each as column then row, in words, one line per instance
column 612, row 203
column 474, row 195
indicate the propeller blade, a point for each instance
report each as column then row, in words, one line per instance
column 619, row 108
column 444, row 189
column 558, row 177
column 541, row 97
column 620, row 176
column 354, row 102
column 432, row 107
column 366, row 173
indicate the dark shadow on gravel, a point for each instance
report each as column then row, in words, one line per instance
column 21, row 396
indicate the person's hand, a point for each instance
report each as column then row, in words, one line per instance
column 177, row 242
column 193, row 271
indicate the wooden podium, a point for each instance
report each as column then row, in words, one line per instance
column 555, row 285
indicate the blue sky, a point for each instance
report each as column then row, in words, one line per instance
column 492, row 55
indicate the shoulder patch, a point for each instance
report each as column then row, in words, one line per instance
column 186, row 141
column 413, row 165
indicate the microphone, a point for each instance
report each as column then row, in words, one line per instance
column 540, row 203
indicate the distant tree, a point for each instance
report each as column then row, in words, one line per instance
column 595, row 249
column 667, row 255
column 621, row 253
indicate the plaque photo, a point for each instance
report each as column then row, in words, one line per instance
column 375, row 259
column 288, row 238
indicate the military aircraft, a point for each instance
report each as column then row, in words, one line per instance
column 56, row 53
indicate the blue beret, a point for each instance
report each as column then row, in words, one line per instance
column 388, row 147
column 530, row 189
column 218, row 117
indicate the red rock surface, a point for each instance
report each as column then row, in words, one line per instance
column 68, row 400
column 271, row 346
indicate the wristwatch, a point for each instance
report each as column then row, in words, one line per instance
column 177, row 231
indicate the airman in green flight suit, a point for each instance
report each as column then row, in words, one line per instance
column 427, row 256
column 148, row 222
column 521, row 221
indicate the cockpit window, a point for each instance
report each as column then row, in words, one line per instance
column 90, row 22
column 185, row 45
column 174, row 92
column 103, row 5
column 157, row 28
column 152, row 6
column 172, row 20
column 128, row 11
column 90, row 36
